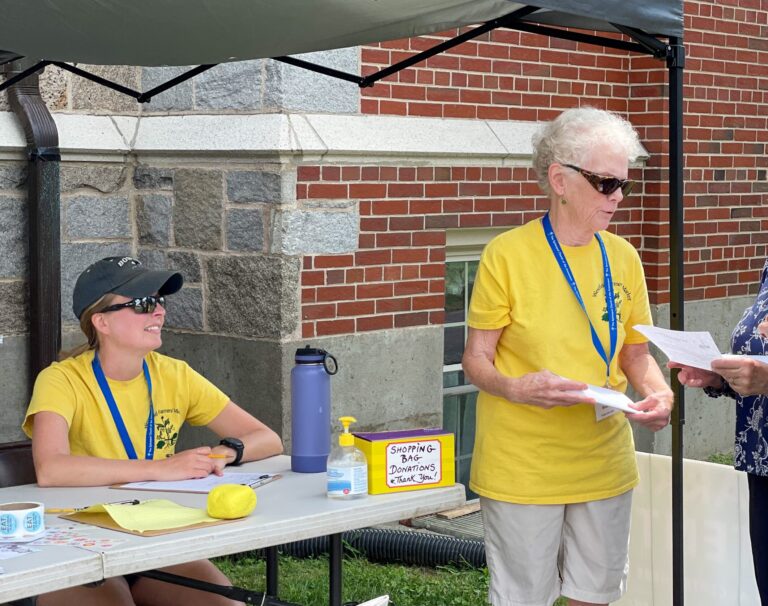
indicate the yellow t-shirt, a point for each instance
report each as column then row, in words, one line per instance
column 525, row 453
column 179, row 394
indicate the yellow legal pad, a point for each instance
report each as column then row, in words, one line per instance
column 147, row 518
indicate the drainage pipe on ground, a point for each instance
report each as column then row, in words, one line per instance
column 403, row 546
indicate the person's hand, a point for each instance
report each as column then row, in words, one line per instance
column 223, row 455
column 762, row 328
column 547, row 390
column 696, row 377
column 746, row 376
column 188, row 464
column 655, row 410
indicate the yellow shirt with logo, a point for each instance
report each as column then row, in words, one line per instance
column 179, row 395
column 529, row 454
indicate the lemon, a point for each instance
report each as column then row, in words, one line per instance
column 230, row 501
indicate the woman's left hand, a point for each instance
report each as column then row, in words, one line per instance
column 655, row 411
column 746, row 376
column 762, row 328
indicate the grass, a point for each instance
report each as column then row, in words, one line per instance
column 722, row 458
column 305, row 581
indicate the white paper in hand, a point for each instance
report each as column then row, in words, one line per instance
column 696, row 349
column 609, row 397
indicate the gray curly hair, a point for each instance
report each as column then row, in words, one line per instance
column 577, row 131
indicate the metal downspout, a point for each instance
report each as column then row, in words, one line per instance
column 43, row 211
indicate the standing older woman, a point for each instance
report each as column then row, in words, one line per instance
column 552, row 311
column 111, row 414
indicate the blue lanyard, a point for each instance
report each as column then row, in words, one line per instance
column 610, row 302
column 149, row 446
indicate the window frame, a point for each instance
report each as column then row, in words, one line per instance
column 463, row 246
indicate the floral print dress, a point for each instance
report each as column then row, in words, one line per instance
column 751, row 447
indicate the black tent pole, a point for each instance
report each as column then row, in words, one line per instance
column 676, row 63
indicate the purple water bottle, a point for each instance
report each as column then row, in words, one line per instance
column 311, row 409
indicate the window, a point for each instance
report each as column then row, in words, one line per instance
column 463, row 250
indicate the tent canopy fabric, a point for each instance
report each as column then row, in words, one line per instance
column 187, row 32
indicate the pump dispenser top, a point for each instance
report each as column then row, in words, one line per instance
column 346, row 438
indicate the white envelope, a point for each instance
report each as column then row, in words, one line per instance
column 609, row 397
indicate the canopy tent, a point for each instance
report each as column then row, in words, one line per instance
column 188, row 32
column 173, row 32
column 207, row 32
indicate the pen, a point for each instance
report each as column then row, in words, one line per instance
column 263, row 479
column 217, row 456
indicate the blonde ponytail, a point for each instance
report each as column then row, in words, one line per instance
column 86, row 325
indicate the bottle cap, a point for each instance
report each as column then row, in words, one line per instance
column 313, row 355
column 346, row 438
column 310, row 355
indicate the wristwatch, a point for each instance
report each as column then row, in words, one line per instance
column 235, row 444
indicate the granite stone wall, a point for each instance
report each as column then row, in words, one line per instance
column 235, row 231
column 14, row 315
column 209, row 222
column 256, row 86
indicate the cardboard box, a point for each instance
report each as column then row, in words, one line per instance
column 408, row 460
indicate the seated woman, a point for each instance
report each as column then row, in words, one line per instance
column 110, row 412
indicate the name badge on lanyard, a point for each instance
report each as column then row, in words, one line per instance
column 601, row 412
column 149, row 445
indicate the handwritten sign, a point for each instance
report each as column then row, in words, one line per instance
column 414, row 463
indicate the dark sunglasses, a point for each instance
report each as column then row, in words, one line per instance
column 141, row 305
column 605, row 185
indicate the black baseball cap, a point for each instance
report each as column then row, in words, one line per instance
column 122, row 276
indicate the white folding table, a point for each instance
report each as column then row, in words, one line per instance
column 290, row 509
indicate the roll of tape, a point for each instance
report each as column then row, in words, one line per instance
column 21, row 522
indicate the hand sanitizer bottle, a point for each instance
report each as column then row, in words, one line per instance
column 347, row 467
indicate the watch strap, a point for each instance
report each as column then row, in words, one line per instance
column 236, row 445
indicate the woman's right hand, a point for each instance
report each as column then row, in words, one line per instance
column 696, row 377
column 546, row 389
column 187, row 464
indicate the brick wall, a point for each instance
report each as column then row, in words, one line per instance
column 394, row 279
column 509, row 75
column 502, row 75
column 726, row 137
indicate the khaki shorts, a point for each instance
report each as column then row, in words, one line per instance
column 537, row 553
